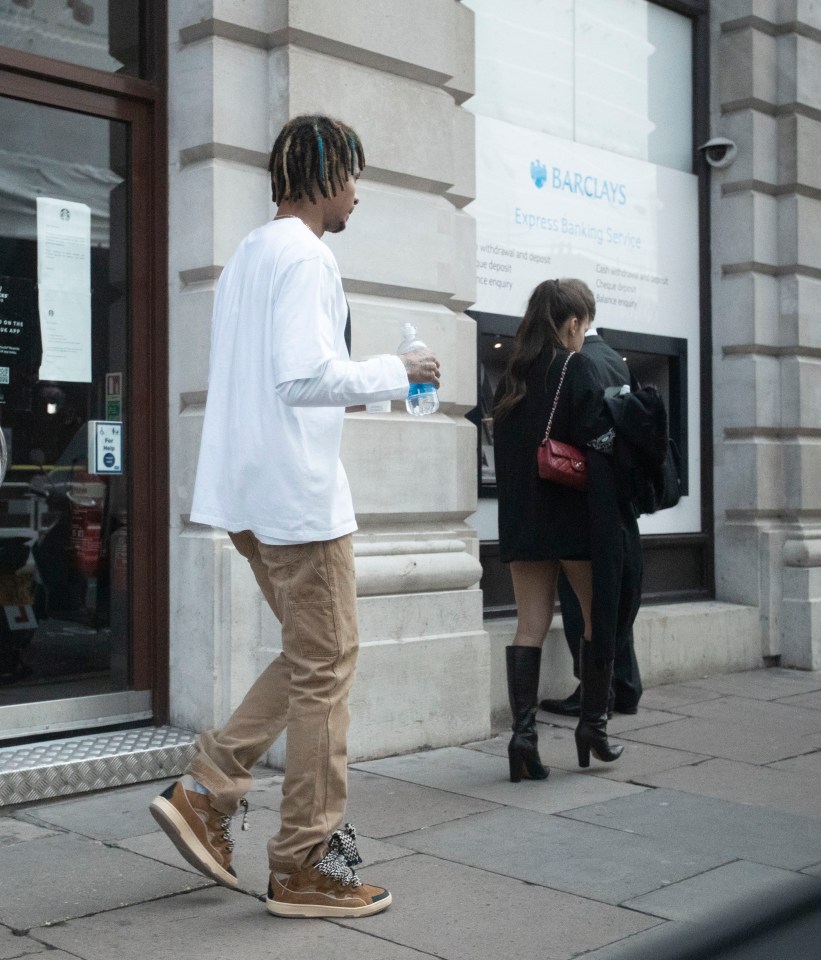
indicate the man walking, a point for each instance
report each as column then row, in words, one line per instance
column 626, row 688
column 269, row 473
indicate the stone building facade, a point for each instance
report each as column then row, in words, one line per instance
column 151, row 122
column 430, row 668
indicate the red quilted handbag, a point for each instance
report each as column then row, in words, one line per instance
column 560, row 462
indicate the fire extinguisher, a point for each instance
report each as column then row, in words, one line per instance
column 87, row 497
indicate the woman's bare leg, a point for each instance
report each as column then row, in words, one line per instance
column 534, row 587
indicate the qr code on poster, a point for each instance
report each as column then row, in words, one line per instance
column 4, row 375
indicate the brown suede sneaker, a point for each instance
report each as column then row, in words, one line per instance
column 329, row 888
column 200, row 833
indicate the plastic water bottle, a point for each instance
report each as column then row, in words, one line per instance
column 422, row 398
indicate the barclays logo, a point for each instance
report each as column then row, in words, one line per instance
column 582, row 184
column 538, row 173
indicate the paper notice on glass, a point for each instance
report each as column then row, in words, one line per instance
column 65, row 326
column 64, row 280
column 63, row 245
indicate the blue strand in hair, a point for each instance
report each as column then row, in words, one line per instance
column 321, row 146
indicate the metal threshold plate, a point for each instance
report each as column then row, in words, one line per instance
column 78, row 764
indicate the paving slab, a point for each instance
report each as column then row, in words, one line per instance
column 739, row 739
column 605, row 865
column 639, row 760
column 808, row 764
column 709, row 895
column 656, row 943
column 66, row 876
column 217, row 924
column 48, row 954
column 616, row 724
column 156, row 846
column 761, row 715
column 730, row 831
column 12, row 946
column 789, row 790
column 15, row 830
column 484, row 916
column 810, row 701
column 475, row 774
column 762, row 684
column 670, row 696
column 814, row 870
column 109, row 815
column 382, row 806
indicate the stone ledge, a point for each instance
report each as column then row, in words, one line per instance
column 415, row 694
column 674, row 642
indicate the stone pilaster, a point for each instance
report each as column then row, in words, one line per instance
column 766, row 242
column 398, row 73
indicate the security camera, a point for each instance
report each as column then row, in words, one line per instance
column 719, row 152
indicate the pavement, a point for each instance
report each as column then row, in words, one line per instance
column 714, row 808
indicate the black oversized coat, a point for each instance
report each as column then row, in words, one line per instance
column 538, row 519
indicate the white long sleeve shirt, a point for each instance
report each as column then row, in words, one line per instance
column 279, row 380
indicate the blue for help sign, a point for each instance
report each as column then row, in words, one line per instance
column 105, row 446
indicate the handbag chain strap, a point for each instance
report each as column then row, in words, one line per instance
column 556, row 398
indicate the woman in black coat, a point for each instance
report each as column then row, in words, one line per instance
column 544, row 526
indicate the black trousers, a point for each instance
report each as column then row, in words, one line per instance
column 617, row 575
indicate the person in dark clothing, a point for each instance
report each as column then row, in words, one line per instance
column 545, row 527
column 626, row 687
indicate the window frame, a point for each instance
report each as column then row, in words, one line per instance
column 678, row 567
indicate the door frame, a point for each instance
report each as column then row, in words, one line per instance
column 142, row 104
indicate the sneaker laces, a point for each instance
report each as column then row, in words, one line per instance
column 224, row 823
column 341, row 858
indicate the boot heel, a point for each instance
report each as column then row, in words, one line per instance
column 515, row 761
column 583, row 751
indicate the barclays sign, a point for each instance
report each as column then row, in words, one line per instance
column 572, row 181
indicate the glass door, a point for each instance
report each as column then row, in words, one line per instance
column 70, row 184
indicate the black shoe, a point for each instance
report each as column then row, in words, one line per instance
column 569, row 707
column 572, row 706
column 626, row 708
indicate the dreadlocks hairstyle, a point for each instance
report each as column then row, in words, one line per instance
column 311, row 152
column 551, row 304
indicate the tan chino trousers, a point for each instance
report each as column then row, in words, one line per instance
column 312, row 591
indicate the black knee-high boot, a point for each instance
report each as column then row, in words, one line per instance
column 591, row 733
column 523, row 688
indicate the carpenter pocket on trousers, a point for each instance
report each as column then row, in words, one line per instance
column 315, row 629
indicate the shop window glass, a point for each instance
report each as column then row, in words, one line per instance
column 64, row 309
column 107, row 35
column 614, row 74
